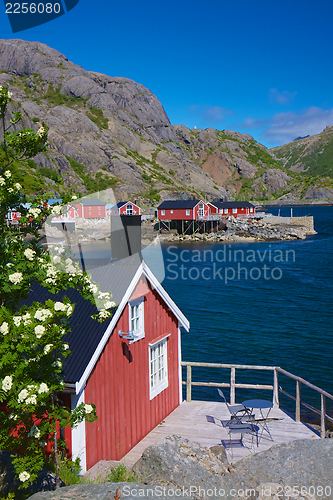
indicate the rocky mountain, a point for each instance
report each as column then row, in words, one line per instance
column 312, row 156
column 113, row 132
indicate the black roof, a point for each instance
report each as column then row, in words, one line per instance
column 232, row 204
column 86, row 333
column 93, row 202
column 174, row 204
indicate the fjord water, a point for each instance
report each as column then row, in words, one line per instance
column 281, row 318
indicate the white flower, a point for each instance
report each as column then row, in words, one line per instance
column 8, row 174
column 17, row 320
column 74, row 197
column 88, row 408
column 43, row 388
column 18, row 186
column 69, row 310
column 56, row 259
column 34, row 211
column 109, row 304
column 32, row 400
column 2, row 181
column 47, row 348
column 24, row 476
column 43, row 314
column 104, row 314
column 4, row 328
column 103, row 295
column 7, row 383
column 12, row 416
column 10, row 190
column 57, row 363
column 34, row 432
column 56, row 209
column 15, row 278
column 39, row 330
column 26, row 319
column 9, row 94
column 51, row 281
column 41, row 131
column 93, row 288
column 23, row 395
column 66, row 347
column 70, row 269
column 29, row 254
column 59, row 306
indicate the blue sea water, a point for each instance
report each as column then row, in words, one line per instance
column 259, row 304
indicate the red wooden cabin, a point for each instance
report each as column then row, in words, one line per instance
column 89, row 208
column 125, row 208
column 235, row 208
column 134, row 383
column 183, row 210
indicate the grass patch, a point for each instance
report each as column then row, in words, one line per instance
column 96, row 116
column 92, row 182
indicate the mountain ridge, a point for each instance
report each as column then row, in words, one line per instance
column 113, row 132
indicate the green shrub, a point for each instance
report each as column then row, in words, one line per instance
column 121, row 474
column 35, row 119
column 96, row 116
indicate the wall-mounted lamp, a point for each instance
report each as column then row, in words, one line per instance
column 126, row 336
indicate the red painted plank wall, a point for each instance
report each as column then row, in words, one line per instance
column 119, row 386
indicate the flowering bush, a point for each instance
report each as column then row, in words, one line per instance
column 31, row 338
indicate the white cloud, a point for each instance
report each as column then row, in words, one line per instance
column 284, row 97
column 284, row 127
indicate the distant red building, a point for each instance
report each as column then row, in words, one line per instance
column 183, row 210
column 125, row 208
column 235, row 208
column 88, row 208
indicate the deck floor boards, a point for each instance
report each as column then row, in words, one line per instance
column 202, row 422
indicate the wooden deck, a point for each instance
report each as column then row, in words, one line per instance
column 202, row 422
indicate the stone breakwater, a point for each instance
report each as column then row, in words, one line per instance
column 265, row 229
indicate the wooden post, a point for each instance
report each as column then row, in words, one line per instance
column 322, row 416
column 276, row 403
column 298, row 401
column 232, row 385
column 189, row 384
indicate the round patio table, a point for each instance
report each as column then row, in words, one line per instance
column 260, row 404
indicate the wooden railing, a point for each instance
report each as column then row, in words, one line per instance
column 324, row 417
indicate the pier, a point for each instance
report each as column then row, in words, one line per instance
column 204, row 422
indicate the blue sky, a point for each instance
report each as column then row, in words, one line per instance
column 258, row 67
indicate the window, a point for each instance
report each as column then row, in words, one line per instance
column 225, row 210
column 136, row 318
column 221, row 210
column 129, row 210
column 251, row 209
column 201, row 210
column 187, row 212
column 158, row 369
column 234, row 210
column 171, row 211
column 162, row 212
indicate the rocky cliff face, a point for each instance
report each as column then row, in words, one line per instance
column 113, row 132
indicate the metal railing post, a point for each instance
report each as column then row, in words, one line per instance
column 322, row 416
column 189, row 383
column 298, row 401
column 232, row 385
column 276, row 403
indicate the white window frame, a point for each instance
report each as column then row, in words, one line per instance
column 251, row 209
column 139, row 332
column 129, row 209
column 188, row 212
column 162, row 212
column 221, row 210
column 225, row 210
column 171, row 211
column 234, row 210
column 160, row 385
